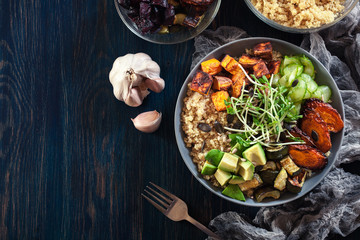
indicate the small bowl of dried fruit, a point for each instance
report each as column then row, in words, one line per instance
column 167, row 21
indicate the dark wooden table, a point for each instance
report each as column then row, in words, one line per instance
column 72, row 166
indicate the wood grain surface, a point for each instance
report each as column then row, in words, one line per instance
column 72, row 166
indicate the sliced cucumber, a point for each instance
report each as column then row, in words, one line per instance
column 308, row 66
column 289, row 60
column 311, row 85
column 323, row 93
column 275, row 80
column 298, row 92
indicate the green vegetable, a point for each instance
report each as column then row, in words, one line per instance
column 229, row 163
column 261, row 112
column 222, row 177
column 308, row 66
column 297, row 93
column 323, row 93
column 266, row 192
column 246, row 170
column 291, row 168
column 234, row 191
column 214, row 156
column 236, row 180
column 276, row 153
column 269, row 176
column 270, row 165
column 280, row 180
column 208, row 169
column 253, row 183
column 255, row 154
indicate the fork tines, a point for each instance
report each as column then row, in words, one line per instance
column 161, row 200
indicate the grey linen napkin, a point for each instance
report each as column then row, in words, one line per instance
column 333, row 207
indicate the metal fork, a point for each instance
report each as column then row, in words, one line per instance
column 173, row 207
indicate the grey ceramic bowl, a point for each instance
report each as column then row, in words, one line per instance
column 348, row 6
column 171, row 38
column 236, row 48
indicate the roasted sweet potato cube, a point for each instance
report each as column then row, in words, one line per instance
column 315, row 127
column 263, row 50
column 296, row 132
column 307, row 157
column 211, row 66
column 201, row 83
column 248, row 61
column 274, row 67
column 218, row 100
column 221, row 83
column 329, row 114
column 237, row 87
column 230, row 65
column 260, row 69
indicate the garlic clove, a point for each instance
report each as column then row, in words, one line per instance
column 156, row 85
column 147, row 122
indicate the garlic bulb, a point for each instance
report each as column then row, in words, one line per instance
column 147, row 121
column 132, row 75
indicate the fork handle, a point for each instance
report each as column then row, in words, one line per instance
column 202, row 228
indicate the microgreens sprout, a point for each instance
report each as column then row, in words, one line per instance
column 262, row 112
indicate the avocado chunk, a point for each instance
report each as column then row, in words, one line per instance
column 208, row 169
column 234, row 191
column 214, row 156
column 229, row 163
column 255, row 154
column 246, row 170
column 222, row 177
column 236, row 180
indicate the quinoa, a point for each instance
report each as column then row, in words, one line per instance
column 300, row 13
column 200, row 109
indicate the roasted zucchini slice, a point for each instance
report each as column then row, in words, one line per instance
column 270, row 165
column 269, row 176
column 280, row 180
column 266, row 192
column 276, row 153
column 291, row 168
column 296, row 183
column 250, row 184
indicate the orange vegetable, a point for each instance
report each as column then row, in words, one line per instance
column 247, row 61
column 315, row 127
column 263, row 50
column 237, row 87
column 211, row 66
column 260, row 69
column 274, row 67
column 230, row 65
column 221, row 83
column 327, row 113
column 201, row 83
column 296, row 132
column 218, row 100
column 307, row 157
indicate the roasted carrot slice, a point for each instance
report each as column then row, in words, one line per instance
column 247, row 61
column 307, row 157
column 260, row 69
column 201, row 83
column 211, row 66
column 218, row 100
column 230, row 65
column 263, row 50
column 315, row 127
column 274, row 67
column 329, row 114
column 222, row 83
column 296, row 132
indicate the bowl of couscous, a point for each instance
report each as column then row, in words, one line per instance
column 301, row 16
